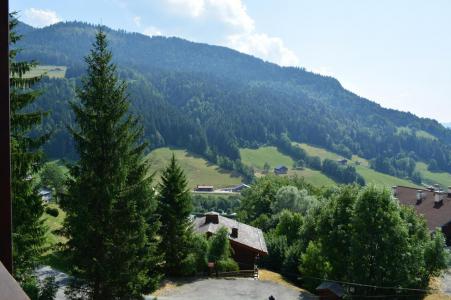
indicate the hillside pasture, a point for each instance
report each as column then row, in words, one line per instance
column 198, row 171
column 47, row 71
column 258, row 157
column 371, row 176
column 442, row 178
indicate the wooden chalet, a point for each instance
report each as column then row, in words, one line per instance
column 247, row 242
column 204, row 188
column 280, row 170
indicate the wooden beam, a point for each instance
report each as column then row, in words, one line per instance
column 5, row 147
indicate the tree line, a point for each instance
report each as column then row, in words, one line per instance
column 359, row 236
column 122, row 235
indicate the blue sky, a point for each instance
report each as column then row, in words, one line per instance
column 394, row 52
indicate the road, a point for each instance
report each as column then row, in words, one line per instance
column 232, row 289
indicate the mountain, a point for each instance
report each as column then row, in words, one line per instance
column 213, row 101
column 447, row 125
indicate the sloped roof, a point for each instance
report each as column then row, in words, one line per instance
column 435, row 215
column 280, row 167
column 334, row 287
column 249, row 236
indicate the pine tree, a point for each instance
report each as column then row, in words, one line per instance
column 174, row 208
column 111, row 222
column 28, row 228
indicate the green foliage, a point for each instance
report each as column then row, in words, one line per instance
column 257, row 200
column 226, row 265
column 49, row 288
column 289, row 197
column 342, row 174
column 219, row 203
column 220, row 251
column 28, row 230
column 350, row 234
column 54, row 212
column 314, row 265
column 219, row 246
column 110, row 222
column 375, row 242
column 196, row 261
column 53, row 176
column 277, row 247
column 435, row 258
column 289, row 225
column 174, row 209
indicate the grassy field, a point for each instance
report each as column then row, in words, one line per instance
column 424, row 134
column 370, row 175
column 53, row 224
column 197, row 169
column 258, row 157
column 54, row 256
column 49, row 71
column 313, row 177
column 442, row 178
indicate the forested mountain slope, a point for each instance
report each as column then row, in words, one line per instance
column 213, row 100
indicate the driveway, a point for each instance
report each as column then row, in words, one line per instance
column 232, row 289
column 61, row 279
column 446, row 282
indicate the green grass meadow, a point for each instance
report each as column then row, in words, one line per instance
column 47, row 71
column 371, row 176
column 197, row 169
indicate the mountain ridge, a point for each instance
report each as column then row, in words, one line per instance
column 225, row 99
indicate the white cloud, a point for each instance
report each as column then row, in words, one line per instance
column 137, row 21
column 244, row 38
column 261, row 45
column 151, row 31
column 231, row 12
column 40, row 17
column 194, row 8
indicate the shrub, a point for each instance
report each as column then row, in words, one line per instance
column 54, row 212
column 226, row 265
column 189, row 265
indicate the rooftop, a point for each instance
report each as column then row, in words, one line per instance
column 435, row 215
column 249, row 236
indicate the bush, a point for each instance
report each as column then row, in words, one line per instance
column 277, row 247
column 226, row 265
column 189, row 265
column 54, row 212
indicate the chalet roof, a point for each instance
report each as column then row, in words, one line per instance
column 204, row 186
column 280, row 167
column 249, row 236
column 44, row 191
column 435, row 215
column 241, row 185
column 334, row 287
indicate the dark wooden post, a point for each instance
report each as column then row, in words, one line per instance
column 5, row 147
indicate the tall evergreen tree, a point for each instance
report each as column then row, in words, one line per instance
column 110, row 220
column 28, row 228
column 174, row 208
